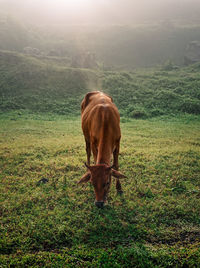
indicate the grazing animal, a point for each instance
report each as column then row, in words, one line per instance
column 101, row 129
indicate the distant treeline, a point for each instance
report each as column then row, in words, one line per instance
column 121, row 46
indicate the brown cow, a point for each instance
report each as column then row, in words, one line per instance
column 100, row 125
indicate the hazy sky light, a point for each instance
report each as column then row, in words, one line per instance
column 102, row 11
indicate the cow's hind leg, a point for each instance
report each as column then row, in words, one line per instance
column 115, row 157
column 88, row 151
column 116, row 167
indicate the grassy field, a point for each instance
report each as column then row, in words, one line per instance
column 155, row 223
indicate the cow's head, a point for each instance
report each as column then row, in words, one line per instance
column 100, row 177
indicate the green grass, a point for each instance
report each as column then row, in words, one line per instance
column 155, row 224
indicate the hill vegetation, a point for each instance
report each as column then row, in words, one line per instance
column 124, row 46
column 45, row 84
column 41, row 86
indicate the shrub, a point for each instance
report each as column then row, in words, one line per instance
column 190, row 106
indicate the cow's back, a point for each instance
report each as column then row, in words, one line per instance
column 99, row 114
column 93, row 98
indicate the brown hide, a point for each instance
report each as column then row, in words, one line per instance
column 101, row 128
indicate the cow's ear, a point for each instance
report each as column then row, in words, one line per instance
column 86, row 100
column 85, row 178
column 109, row 97
column 117, row 174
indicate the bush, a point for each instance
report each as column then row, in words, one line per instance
column 136, row 112
column 191, row 106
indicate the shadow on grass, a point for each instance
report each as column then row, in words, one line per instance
column 111, row 226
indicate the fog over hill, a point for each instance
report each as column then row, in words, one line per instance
column 101, row 11
column 122, row 33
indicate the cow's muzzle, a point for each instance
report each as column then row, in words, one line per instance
column 99, row 204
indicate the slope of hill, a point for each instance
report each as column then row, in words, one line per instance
column 124, row 46
column 143, row 45
column 42, row 86
column 152, row 92
column 39, row 85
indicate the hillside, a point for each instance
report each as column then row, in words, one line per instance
column 121, row 46
column 143, row 45
column 41, row 85
column 152, row 92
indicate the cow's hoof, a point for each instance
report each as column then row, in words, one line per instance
column 99, row 204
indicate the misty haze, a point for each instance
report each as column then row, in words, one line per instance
column 55, row 57
column 101, row 11
column 120, row 33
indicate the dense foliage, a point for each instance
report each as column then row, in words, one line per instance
column 147, row 93
column 41, row 84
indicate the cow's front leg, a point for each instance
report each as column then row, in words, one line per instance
column 95, row 152
column 119, row 187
